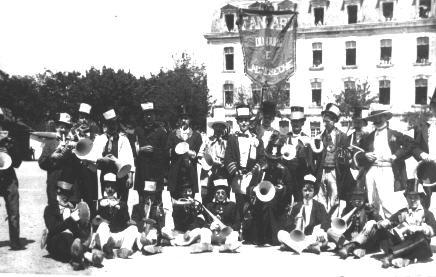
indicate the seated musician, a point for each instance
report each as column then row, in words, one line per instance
column 404, row 237
column 190, row 227
column 358, row 213
column 149, row 217
column 68, row 232
column 269, row 208
column 225, row 232
column 115, row 229
column 308, row 217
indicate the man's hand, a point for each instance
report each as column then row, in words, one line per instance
column 147, row 148
column 371, row 156
column 424, row 156
column 192, row 154
column 215, row 226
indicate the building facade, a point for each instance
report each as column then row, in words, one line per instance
column 388, row 44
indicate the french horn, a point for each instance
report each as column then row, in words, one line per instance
column 288, row 152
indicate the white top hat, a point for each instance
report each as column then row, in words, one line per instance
column 220, row 182
column 65, row 118
column 85, row 108
column 243, row 111
column 110, row 177
column 147, row 106
column 297, row 113
column 332, row 109
column 64, row 185
column 219, row 116
column 109, row 114
column 309, row 178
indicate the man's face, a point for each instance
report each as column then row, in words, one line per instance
column 62, row 128
column 110, row 189
column 220, row 195
column 413, row 200
column 297, row 125
column 243, row 123
column 357, row 201
column 308, row 191
column 329, row 122
column 83, row 118
column 185, row 121
column 187, row 193
column 63, row 196
column 267, row 120
column 379, row 121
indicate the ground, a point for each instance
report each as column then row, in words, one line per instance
column 251, row 261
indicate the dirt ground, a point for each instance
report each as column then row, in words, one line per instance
column 174, row 261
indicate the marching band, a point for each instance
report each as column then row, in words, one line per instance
column 335, row 192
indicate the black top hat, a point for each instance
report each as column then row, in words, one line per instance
column 413, row 187
column 274, row 147
column 268, row 107
column 358, row 191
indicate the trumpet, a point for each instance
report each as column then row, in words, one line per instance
column 298, row 233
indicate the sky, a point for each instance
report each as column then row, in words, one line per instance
column 65, row 35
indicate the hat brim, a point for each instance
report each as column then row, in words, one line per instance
column 388, row 114
column 61, row 121
column 329, row 113
column 210, row 124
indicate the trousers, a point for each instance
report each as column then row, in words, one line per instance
column 9, row 190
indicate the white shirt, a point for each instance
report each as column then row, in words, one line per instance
column 307, row 206
column 381, row 145
column 244, row 148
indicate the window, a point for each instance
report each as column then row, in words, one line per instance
column 424, row 8
column 316, row 93
column 256, row 92
column 352, row 14
column 350, row 48
column 229, row 58
column 317, row 54
column 422, row 50
column 421, row 91
column 384, row 91
column 284, row 95
column 230, row 21
column 385, row 51
column 319, row 15
column 315, row 128
column 388, row 10
column 228, row 95
column 349, row 85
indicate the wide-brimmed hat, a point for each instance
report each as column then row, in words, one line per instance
column 243, row 111
column 332, row 110
column 64, row 118
column 274, row 148
column 377, row 110
column 85, row 108
column 110, row 115
column 219, row 117
column 297, row 113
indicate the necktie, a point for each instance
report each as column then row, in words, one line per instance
column 239, row 134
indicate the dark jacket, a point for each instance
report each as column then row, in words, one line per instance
column 151, row 166
column 56, row 224
column 186, row 218
column 359, row 218
column 429, row 219
column 156, row 213
column 318, row 216
column 401, row 145
column 227, row 213
column 117, row 216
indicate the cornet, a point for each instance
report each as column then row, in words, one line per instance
column 339, row 224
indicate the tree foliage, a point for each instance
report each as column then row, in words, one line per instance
column 354, row 97
column 417, row 118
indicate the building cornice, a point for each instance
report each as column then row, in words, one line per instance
column 358, row 29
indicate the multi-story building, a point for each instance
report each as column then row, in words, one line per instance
column 389, row 44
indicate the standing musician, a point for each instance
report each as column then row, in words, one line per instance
column 115, row 143
column 331, row 172
column 243, row 156
column 183, row 146
column 151, row 157
column 115, row 230
column 68, row 232
column 309, row 221
column 359, row 213
column 11, row 156
column 297, row 154
column 57, row 155
column 225, row 230
column 269, row 203
column 266, row 127
column 212, row 154
column 386, row 151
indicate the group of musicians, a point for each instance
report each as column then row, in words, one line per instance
column 347, row 193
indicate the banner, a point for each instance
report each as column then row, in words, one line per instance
column 268, row 40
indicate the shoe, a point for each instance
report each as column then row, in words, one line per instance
column 17, row 246
column 283, row 247
column 77, row 265
column 123, row 253
column 359, row 253
column 108, row 249
column 165, row 242
column 201, row 247
column 342, row 253
column 95, row 258
column 346, row 250
column 386, row 262
column 151, row 250
column 44, row 238
column 315, row 249
column 230, row 247
column 400, row 262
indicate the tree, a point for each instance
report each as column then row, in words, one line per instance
column 354, row 97
column 417, row 119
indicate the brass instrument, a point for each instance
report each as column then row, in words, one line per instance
column 311, row 142
column 181, row 148
column 296, row 240
column 265, row 191
column 288, row 152
column 340, row 224
column 42, row 136
column 5, row 158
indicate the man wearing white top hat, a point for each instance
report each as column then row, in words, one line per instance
column 330, row 172
column 152, row 157
column 297, row 155
column 243, row 158
column 384, row 156
column 212, row 153
column 265, row 128
column 183, row 146
column 114, row 142
column 56, row 155
column 86, row 127
column 9, row 134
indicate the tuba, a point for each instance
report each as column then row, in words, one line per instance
column 265, row 191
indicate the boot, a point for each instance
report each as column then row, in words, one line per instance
column 230, row 247
column 314, row 248
column 123, row 253
column 346, row 250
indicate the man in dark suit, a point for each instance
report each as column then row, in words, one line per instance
column 330, row 171
column 308, row 217
column 384, row 156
